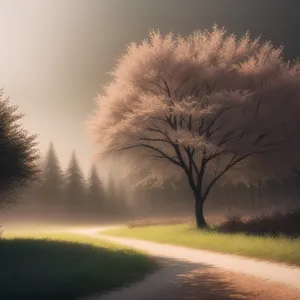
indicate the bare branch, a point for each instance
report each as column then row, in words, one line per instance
column 154, row 140
column 141, row 145
column 234, row 160
column 167, row 88
column 163, row 154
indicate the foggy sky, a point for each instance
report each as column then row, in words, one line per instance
column 55, row 54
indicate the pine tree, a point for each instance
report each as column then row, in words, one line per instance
column 75, row 185
column 95, row 192
column 50, row 191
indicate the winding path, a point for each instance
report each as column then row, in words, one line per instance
column 179, row 260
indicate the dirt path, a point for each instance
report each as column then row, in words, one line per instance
column 159, row 285
column 217, row 284
column 202, row 275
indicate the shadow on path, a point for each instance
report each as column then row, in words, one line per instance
column 158, row 284
column 177, row 280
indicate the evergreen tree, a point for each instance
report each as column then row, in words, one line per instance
column 18, row 152
column 75, row 185
column 52, row 179
column 95, row 192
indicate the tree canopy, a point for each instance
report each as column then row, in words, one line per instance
column 209, row 106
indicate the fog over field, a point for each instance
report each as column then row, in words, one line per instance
column 56, row 58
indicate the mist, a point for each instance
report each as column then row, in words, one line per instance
column 57, row 55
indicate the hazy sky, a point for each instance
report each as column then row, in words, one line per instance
column 55, row 54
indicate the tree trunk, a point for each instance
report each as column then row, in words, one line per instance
column 200, row 220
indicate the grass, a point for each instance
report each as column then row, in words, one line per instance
column 65, row 267
column 279, row 249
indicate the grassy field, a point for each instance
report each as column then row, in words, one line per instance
column 65, row 266
column 280, row 249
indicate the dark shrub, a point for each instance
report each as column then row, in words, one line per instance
column 277, row 223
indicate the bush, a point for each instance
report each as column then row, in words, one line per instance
column 274, row 224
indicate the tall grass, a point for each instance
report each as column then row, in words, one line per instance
column 280, row 248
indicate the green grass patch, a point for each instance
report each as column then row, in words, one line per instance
column 279, row 249
column 65, row 266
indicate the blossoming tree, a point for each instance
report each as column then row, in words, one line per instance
column 210, row 107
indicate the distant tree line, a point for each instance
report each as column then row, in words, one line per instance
column 177, row 199
column 69, row 194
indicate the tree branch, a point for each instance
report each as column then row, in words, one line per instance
column 234, row 160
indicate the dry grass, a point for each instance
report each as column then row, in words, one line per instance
column 214, row 220
column 281, row 248
column 158, row 222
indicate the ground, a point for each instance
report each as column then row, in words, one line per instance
column 279, row 249
column 65, row 266
column 188, row 274
column 217, row 284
